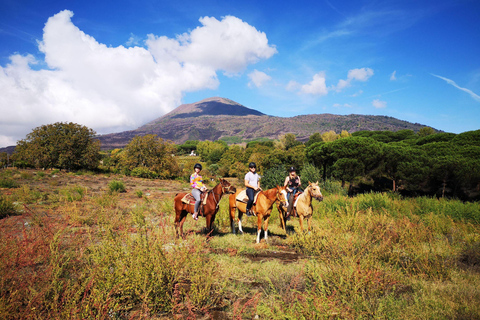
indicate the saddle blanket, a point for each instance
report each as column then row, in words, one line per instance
column 242, row 197
column 189, row 199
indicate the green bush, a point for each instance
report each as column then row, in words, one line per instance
column 116, row 186
column 7, row 207
column 273, row 177
column 143, row 172
column 310, row 173
column 8, row 183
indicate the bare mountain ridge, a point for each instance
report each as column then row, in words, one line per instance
column 216, row 118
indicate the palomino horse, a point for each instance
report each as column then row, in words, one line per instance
column 210, row 209
column 304, row 208
column 262, row 208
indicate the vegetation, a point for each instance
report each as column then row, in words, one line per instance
column 413, row 164
column 67, row 146
column 79, row 251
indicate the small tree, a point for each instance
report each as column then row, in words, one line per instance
column 150, row 152
column 60, row 145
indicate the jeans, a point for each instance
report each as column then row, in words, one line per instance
column 290, row 197
column 196, row 194
column 251, row 196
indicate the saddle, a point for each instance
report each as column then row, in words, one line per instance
column 242, row 196
column 189, row 199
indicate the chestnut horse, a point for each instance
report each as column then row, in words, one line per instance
column 209, row 210
column 303, row 208
column 262, row 208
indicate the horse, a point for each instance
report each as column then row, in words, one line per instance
column 210, row 208
column 262, row 208
column 303, row 208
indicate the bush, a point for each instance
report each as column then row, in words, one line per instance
column 143, row 172
column 116, row 186
column 310, row 173
column 8, row 183
column 273, row 177
column 6, row 207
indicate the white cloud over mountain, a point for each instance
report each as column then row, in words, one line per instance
column 118, row 88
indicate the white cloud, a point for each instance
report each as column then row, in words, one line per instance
column 258, row 78
column 293, row 86
column 379, row 104
column 449, row 81
column 117, row 88
column 393, row 76
column 338, row 105
column 362, row 74
column 317, row 86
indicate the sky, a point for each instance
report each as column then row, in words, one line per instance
column 116, row 65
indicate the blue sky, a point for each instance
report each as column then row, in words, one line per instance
column 115, row 65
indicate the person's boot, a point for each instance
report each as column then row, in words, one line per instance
column 195, row 216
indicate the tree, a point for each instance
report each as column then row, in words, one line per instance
column 152, row 153
column 60, row 145
column 347, row 169
column 289, row 141
column 211, row 152
column 329, row 136
column 425, row 131
column 316, row 137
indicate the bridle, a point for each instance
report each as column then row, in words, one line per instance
column 313, row 195
column 224, row 190
column 279, row 192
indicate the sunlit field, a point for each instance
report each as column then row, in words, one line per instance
column 89, row 246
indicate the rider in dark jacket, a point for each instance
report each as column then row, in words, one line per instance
column 292, row 184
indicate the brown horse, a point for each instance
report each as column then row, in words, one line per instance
column 303, row 208
column 210, row 209
column 262, row 208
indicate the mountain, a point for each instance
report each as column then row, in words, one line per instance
column 219, row 118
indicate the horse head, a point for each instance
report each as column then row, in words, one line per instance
column 314, row 190
column 282, row 196
column 227, row 187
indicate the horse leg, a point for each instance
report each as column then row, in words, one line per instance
column 240, row 214
column 300, row 216
column 259, row 226
column 266, row 228
column 309, row 221
column 180, row 225
column 282, row 218
column 232, row 218
column 209, row 223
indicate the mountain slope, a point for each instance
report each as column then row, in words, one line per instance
column 216, row 118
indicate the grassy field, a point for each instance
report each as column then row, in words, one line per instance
column 79, row 246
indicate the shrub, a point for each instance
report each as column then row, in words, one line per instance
column 116, row 186
column 143, row 172
column 310, row 173
column 273, row 177
column 8, row 183
column 7, row 207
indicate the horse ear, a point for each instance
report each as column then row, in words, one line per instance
column 316, row 182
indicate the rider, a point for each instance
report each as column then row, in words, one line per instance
column 252, row 183
column 196, row 182
column 293, row 183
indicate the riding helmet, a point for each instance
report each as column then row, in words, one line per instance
column 291, row 169
column 197, row 165
column 252, row 165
